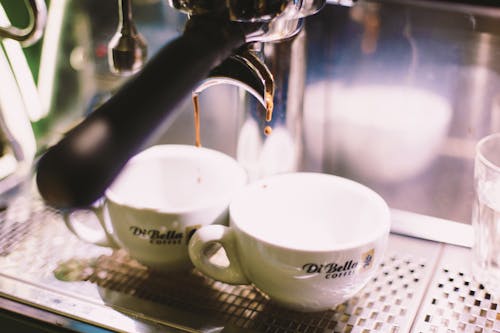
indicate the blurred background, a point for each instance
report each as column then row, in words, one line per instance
column 395, row 94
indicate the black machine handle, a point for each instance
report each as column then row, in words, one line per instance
column 78, row 170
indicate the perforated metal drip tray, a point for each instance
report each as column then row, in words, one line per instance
column 421, row 286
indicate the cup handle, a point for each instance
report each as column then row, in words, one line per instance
column 199, row 247
column 90, row 235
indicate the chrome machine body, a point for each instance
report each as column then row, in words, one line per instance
column 393, row 94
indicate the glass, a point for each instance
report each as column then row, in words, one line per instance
column 486, row 214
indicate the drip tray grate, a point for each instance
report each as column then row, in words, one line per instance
column 381, row 306
column 421, row 286
column 456, row 302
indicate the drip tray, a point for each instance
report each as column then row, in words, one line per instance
column 421, row 286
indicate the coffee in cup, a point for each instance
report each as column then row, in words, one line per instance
column 163, row 195
column 308, row 240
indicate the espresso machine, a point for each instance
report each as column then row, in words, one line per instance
column 390, row 93
column 214, row 32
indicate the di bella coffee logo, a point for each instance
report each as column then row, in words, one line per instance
column 164, row 236
column 335, row 270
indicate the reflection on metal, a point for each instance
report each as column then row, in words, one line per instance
column 451, row 58
column 261, row 153
column 466, row 6
column 347, row 3
column 117, row 293
column 367, row 14
column 431, row 228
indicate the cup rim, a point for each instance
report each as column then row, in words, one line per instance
column 161, row 150
column 383, row 229
column 480, row 156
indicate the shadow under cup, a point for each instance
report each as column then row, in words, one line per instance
column 309, row 241
column 161, row 198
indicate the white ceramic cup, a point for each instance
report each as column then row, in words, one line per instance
column 307, row 240
column 161, row 197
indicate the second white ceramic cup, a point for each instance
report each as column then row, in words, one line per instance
column 307, row 240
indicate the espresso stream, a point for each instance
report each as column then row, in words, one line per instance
column 269, row 111
column 196, row 110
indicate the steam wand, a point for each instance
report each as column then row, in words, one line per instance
column 127, row 49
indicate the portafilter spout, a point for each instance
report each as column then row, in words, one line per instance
column 77, row 170
column 245, row 70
